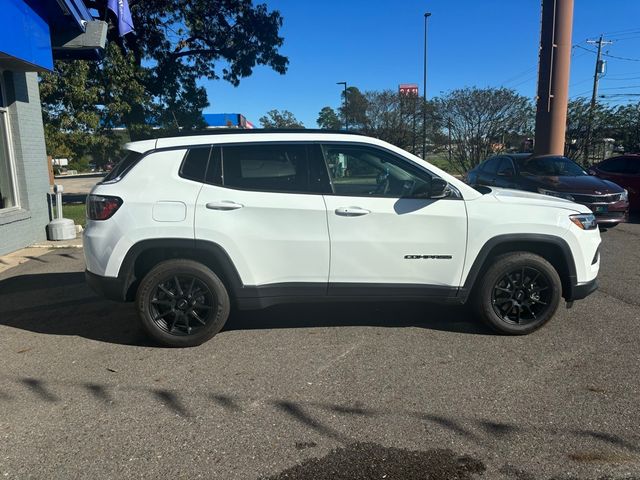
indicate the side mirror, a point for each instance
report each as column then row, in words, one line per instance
column 438, row 188
column 507, row 172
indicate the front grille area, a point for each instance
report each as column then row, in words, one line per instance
column 610, row 198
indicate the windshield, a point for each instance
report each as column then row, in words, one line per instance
column 550, row 167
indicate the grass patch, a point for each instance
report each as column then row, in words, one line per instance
column 76, row 212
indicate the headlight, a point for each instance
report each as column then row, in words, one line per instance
column 551, row 193
column 624, row 196
column 585, row 221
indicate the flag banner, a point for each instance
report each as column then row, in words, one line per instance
column 121, row 10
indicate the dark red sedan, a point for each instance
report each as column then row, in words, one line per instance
column 625, row 171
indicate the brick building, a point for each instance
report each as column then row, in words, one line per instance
column 32, row 34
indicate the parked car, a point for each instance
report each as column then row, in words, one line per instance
column 625, row 171
column 189, row 226
column 555, row 176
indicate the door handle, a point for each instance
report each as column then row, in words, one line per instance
column 352, row 211
column 224, row 205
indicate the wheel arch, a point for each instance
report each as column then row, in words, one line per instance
column 552, row 248
column 144, row 255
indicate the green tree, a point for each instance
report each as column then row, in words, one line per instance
column 579, row 115
column 354, row 110
column 149, row 79
column 280, row 119
column 480, row 118
column 328, row 119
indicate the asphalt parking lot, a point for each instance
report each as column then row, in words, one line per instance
column 332, row 391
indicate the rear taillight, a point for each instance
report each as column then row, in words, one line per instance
column 102, row 207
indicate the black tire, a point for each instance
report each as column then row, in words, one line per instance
column 182, row 303
column 512, row 306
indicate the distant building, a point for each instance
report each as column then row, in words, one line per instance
column 32, row 34
column 226, row 120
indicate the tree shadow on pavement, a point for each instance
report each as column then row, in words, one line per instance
column 62, row 304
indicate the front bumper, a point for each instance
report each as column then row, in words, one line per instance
column 578, row 292
column 609, row 213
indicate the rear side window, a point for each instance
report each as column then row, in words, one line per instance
column 614, row 165
column 123, row 166
column 194, row 165
column 274, row 168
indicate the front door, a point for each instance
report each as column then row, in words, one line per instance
column 386, row 235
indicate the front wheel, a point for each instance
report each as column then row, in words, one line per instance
column 518, row 293
column 182, row 303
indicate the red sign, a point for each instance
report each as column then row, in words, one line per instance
column 408, row 89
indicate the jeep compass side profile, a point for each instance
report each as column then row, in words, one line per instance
column 188, row 227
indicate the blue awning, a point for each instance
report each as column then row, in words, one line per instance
column 26, row 28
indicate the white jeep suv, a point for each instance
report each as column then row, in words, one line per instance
column 189, row 226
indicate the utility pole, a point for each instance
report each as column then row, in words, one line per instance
column 553, row 76
column 346, row 117
column 594, row 95
column 424, row 90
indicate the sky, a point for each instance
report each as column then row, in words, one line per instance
column 376, row 45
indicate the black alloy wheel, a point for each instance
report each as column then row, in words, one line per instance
column 182, row 305
column 521, row 296
column 518, row 293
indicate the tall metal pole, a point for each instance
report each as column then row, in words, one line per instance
column 594, row 96
column 553, row 76
column 424, row 89
column 346, row 118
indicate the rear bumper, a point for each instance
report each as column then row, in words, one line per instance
column 578, row 292
column 113, row 288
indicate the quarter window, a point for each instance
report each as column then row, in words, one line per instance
column 366, row 171
column 195, row 163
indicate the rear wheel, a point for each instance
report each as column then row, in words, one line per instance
column 518, row 293
column 182, row 303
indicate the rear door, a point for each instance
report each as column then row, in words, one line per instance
column 386, row 236
column 263, row 204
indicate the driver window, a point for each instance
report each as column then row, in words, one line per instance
column 365, row 171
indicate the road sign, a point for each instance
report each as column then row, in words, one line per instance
column 408, row 89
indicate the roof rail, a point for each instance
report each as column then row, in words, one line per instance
column 242, row 131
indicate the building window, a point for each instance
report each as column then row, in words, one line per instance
column 7, row 179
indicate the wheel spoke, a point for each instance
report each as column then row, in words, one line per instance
column 505, row 290
column 193, row 281
column 178, row 287
column 197, row 317
column 201, row 306
column 167, row 291
column 173, row 324
column 162, row 315
column 166, row 303
column 500, row 301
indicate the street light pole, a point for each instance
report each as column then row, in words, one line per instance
column 424, row 89
column 346, row 120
